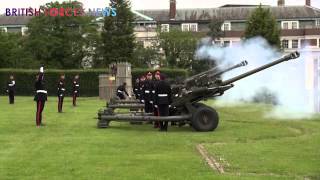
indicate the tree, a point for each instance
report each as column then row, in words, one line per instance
column 61, row 41
column 179, row 47
column 12, row 52
column 262, row 23
column 118, row 34
column 145, row 57
column 215, row 29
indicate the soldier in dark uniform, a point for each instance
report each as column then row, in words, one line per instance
column 41, row 96
column 155, row 109
column 121, row 91
column 141, row 85
column 75, row 90
column 11, row 86
column 147, row 93
column 61, row 92
column 163, row 100
column 136, row 89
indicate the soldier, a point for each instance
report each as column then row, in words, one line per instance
column 136, row 88
column 41, row 96
column 155, row 109
column 141, row 85
column 147, row 93
column 163, row 100
column 11, row 86
column 75, row 89
column 61, row 92
column 121, row 91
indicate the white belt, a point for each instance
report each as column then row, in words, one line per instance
column 153, row 91
column 11, row 85
column 162, row 95
column 136, row 89
column 147, row 91
column 63, row 89
column 77, row 85
column 120, row 91
column 42, row 91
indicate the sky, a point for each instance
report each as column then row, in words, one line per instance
column 154, row 4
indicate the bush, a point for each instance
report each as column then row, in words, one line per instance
column 266, row 96
column 89, row 80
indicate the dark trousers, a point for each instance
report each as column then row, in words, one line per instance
column 121, row 96
column 60, row 103
column 148, row 107
column 11, row 97
column 40, row 107
column 156, row 113
column 163, row 111
column 74, row 99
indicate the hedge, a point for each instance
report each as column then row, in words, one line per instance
column 89, row 80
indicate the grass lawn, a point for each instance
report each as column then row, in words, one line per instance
column 71, row 147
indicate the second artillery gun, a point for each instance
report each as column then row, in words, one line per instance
column 185, row 107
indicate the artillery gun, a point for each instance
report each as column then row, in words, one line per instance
column 186, row 108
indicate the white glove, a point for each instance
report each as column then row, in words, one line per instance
column 142, row 101
column 169, row 106
column 156, row 106
column 129, row 96
column 151, row 102
column 41, row 70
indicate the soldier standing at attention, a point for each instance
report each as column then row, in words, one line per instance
column 41, row 96
column 136, row 89
column 76, row 90
column 141, row 85
column 11, row 86
column 155, row 109
column 61, row 92
column 163, row 100
column 147, row 94
column 121, row 91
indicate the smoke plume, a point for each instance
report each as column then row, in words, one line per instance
column 287, row 80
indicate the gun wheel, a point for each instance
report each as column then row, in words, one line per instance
column 205, row 119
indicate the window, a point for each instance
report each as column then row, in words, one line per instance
column 189, row 27
column 3, row 29
column 308, row 42
column 24, row 30
column 295, row 25
column 185, row 27
column 317, row 22
column 295, row 44
column 14, row 29
column 226, row 43
column 285, row 44
column 165, row 27
column 285, row 25
column 226, row 26
column 194, row 27
column 290, row 24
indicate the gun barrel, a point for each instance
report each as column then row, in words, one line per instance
column 288, row 57
column 243, row 63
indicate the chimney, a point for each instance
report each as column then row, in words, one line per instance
column 281, row 2
column 308, row 2
column 173, row 9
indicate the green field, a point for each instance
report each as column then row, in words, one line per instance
column 70, row 146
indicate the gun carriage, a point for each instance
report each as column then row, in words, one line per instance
column 186, row 106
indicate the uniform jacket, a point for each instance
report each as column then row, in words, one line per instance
column 61, row 88
column 147, row 90
column 163, row 93
column 41, row 92
column 76, row 87
column 11, row 86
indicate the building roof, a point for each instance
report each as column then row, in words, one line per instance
column 233, row 13
column 14, row 20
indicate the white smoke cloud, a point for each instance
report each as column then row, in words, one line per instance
column 286, row 80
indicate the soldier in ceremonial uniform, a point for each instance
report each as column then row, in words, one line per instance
column 11, row 85
column 122, row 91
column 141, row 85
column 155, row 109
column 75, row 90
column 61, row 92
column 147, row 93
column 136, row 89
column 41, row 96
column 163, row 100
